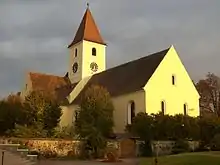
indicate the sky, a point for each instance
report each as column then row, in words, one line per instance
column 34, row 34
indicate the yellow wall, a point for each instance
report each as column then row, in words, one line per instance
column 160, row 87
column 88, row 58
column 121, row 108
column 68, row 115
column 120, row 113
column 75, row 77
column 85, row 58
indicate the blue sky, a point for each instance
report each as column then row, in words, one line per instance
column 34, row 34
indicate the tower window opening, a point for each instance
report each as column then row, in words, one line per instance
column 94, row 51
column 76, row 51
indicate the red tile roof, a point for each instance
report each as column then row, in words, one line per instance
column 47, row 83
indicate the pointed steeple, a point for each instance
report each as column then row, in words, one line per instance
column 87, row 30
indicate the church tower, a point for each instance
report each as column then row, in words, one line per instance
column 87, row 50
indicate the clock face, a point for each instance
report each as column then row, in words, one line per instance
column 75, row 67
column 93, row 66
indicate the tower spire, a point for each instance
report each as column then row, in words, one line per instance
column 87, row 30
column 87, row 5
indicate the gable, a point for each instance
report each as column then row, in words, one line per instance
column 173, row 66
column 126, row 78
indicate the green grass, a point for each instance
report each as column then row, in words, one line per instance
column 200, row 158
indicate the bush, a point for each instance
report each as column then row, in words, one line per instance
column 64, row 132
column 85, row 151
column 215, row 143
column 180, row 147
column 29, row 132
column 145, row 149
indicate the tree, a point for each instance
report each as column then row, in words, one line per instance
column 94, row 121
column 40, row 112
column 163, row 127
column 143, row 127
column 209, row 127
column 185, row 127
column 51, row 117
column 11, row 113
column 209, row 90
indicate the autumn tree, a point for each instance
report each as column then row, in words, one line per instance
column 94, row 121
column 11, row 113
column 209, row 90
column 41, row 113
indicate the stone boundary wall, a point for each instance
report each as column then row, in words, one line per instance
column 165, row 147
column 47, row 147
column 55, row 147
column 71, row 148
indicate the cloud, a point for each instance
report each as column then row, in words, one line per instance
column 34, row 34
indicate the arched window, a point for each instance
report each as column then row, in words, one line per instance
column 173, row 80
column 94, row 51
column 185, row 109
column 76, row 51
column 163, row 107
column 131, row 111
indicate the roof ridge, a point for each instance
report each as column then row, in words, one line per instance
column 45, row 74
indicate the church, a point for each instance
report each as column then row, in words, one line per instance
column 155, row 83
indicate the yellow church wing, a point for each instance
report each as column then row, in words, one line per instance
column 170, row 88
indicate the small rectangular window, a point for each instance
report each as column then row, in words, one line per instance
column 185, row 109
column 163, row 107
column 94, row 51
column 173, row 80
column 76, row 52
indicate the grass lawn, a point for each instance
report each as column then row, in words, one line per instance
column 200, row 158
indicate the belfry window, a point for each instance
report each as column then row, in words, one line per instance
column 76, row 51
column 131, row 112
column 94, row 51
column 163, row 107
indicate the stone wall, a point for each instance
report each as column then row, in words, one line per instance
column 165, row 147
column 48, row 147
column 71, row 148
column 56, row 147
